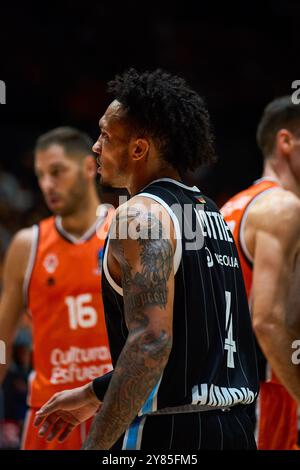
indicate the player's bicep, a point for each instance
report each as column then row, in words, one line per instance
column 293, row 301
column 148, row 277
column 271, row 276
column 11, row 300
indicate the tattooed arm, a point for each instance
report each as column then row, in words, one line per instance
column 147, row 276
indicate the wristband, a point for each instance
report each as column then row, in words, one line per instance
column 100, row 385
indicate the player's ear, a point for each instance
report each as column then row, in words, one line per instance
column 90, row 166
column 139, row 148
column 284, row 142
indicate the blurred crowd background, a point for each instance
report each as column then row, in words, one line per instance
column 56, row 58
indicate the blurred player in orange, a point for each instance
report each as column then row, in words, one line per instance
column 265, row 220
column 53, row 270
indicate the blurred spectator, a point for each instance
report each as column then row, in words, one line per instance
column 14, row 391
column 12, row 195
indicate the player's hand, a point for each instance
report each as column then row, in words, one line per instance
column 65, row 410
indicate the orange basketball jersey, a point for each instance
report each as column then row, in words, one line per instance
column 277, row 420
column 63, row 292
column 235, row 212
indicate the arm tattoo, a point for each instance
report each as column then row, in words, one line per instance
column 148, row 287
column 146, row 352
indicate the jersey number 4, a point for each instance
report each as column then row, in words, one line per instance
column 81, row 314
column 230, row 344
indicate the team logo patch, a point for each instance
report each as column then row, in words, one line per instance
column 50, row 263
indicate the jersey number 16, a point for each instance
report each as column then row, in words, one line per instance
column 80, row 313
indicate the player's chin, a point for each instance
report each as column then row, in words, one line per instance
column 61, row 210
column 57, row 209
column 105, row 180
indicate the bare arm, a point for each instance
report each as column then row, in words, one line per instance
column 11, row 302
column 293, row 305
column 276, row 248
column 148, row 287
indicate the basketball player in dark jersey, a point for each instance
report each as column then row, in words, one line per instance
column 175, row 303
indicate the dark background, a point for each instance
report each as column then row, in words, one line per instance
column 57, row 57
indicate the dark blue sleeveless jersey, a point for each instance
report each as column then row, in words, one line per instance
column 212, row 362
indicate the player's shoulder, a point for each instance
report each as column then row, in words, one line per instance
column 279, row 202
column 141, row 214
column 22, row 240
column 18, row 252
column 138, row 206
column 277, row 211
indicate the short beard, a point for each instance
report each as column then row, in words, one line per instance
column 76, row 197
column 124, row 157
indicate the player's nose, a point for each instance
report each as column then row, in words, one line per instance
column 97, row 147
